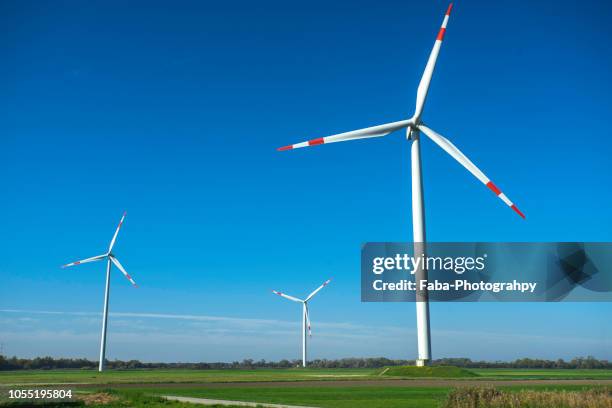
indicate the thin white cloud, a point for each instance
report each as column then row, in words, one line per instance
column 253, row 325
column 242, row 322
column 226, row 338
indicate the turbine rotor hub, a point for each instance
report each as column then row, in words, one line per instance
column 412, row 132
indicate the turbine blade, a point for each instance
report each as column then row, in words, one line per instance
column 92, row 259
column 429, row 68
column 308, row 321
column 112, row 243
column 318, row 289
column 120, row 267
column 467, row 163
column 287, row 296
column 374, row 131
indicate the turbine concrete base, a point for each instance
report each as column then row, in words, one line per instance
column 421, row 363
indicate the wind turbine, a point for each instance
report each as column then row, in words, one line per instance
column 414, row 126
column 110, row 258
column 305, row 317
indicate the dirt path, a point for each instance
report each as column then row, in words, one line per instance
column 207, row 401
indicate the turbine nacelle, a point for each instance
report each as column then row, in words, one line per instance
column 412, row 132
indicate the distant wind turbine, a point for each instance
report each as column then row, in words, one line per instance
column 414, row 126
column 110, row 258
column 305, row 316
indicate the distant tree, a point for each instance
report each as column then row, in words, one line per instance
column 46, row 363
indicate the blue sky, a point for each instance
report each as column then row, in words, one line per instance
column 173, row 112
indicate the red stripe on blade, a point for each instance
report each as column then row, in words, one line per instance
column 280, row 149
column 494, row 188
column 517, row 211
column 448, row 11
column 441, row 34
column 316, row 141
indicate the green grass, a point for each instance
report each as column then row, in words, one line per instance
column 375, row 395
column 344, row 397
column 428, row 372
column 541, row 374
column 324, row 397
column 327, row 397
column 119, row 400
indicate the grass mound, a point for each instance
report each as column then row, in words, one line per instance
column 494, row 398
column 429, row 372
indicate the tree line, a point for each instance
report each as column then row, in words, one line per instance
column 47, row 363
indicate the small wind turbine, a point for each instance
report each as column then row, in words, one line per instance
column 110, row 257
column 305, row 317
column 414, row 126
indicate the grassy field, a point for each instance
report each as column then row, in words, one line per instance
column 428, row 372
column 205, row 376
column 290, row 388
column 343, row 397
column 332, row 397
column 159, row 376
column 534, row 374
column 105, row 399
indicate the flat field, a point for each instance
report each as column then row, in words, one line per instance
column 85, row 377
column 532, row 374
column 326, row 388
column 345, row 397
column 178, row 376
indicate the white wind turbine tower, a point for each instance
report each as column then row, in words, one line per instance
column 414, row 126
column 110, row 258
column 305, row 316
